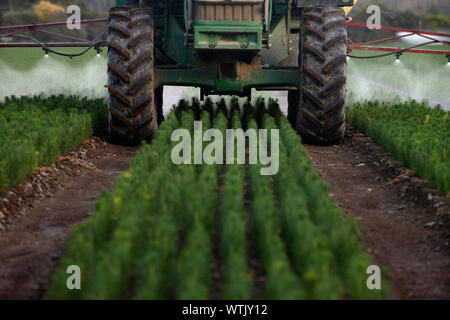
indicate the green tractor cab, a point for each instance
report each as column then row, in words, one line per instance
column 228, row 47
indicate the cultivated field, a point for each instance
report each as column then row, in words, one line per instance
column 166, row 231
column 158, row 232
column 35, row 132
column 413, row 133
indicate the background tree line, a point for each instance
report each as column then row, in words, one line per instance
column 430, row 15
column 433, row 18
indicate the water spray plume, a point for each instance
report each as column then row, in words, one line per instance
column 415, row 79
column 53, row 76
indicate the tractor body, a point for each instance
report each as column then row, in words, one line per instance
column 231, row 46
column 226, row 46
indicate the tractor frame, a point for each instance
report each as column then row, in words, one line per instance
column 182, row 40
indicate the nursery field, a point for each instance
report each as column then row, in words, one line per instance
column 414, row 133
column 226, row 157
column 224, row 231
column 36, row 131
column 154, row 234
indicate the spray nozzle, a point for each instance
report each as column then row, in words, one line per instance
column 398, row 54
column 46, row 52
column 99, row 50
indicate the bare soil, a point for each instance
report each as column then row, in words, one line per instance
column 40, row 211
column 253, row 258
column 217, row 265
column 404, row 222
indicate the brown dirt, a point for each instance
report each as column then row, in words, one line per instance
column 40, row 211
column 243, row 68
column 253, row 258
column 404, row 222
column 217, row 265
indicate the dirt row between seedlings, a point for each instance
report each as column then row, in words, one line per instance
column 404, row 222
column 38, row 213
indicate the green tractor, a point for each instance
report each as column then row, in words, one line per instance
column 228, row 47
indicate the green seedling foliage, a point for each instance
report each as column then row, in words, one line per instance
column 209, row 107
column 416, row 134
column 238, row 282
column 234, row 106
column 193, row 266
column 196, row 107
column 37, row 131
column 281, row 283
column 151, row 237
column 222, row 108
column 248, row 113
column 340, row 253
column 304, row 240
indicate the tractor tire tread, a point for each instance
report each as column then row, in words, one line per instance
column 321, row 103
column 132, row 107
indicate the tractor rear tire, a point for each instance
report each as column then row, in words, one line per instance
column 132, row 107
column 319, row 106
